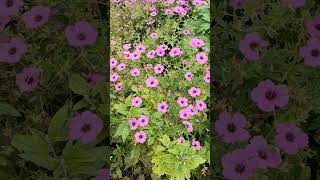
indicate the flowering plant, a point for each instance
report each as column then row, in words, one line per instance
column 265, row 89
column 52, row 93
column 159, row 73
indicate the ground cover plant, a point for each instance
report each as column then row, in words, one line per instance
column 52, row 94
column 159, row 73
column 266, row 89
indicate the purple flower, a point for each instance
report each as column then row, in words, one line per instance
column 81, row 34
column 311, row 52
column 103, row 175
column 3, row 21
column 238, row 166
column 10, row 7
column 290, row 138
column 85, row 127
column 295, row 3
column 251, row 45
column 12, row 50
column 36, row 17
column 263, row 155
column 313, row 26
column 93, row 78
column 231, row 127
column 28, row 79
column 236, row 4
column 268, row 96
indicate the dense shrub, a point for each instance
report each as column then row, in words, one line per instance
column 160, row 89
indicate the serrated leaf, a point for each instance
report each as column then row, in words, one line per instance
column 123, row 131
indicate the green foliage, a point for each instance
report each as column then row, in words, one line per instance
column 174, row 159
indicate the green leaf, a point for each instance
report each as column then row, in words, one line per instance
column 41, row 160
column 8, row 110
column 35, row 149
column 79, row 161
column 57, row 131
column 123, row 131
column 121, row 108
column 78, row 85
column 80, row 104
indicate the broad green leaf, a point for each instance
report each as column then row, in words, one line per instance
column 8, row 110
column 78, row 85
column 57, row 130
column 80, row 104
column 123, row 131
column 41, row 160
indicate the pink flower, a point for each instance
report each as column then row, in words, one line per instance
column 135, row 72
column 181, row 140
column 151, row 54
column 192, row 110
column 140, row 48
column 163, row 107
column 118, row 86
column 143, row 120
column 188, row 126
column 140, row 137
column 196, row 145
column 182, row 101
column 133, row 123
column 136, row 101
column 121, row 67
column 186, row 32
column 114, row 77
column 152, row 82
column 154, row 13
column 154, row 35
column 127, row 46
column 201, row 105
column 135, row 56
column 202, row 58
column 160, row 52
column 188, row 76
column 184, row 114
column 207, row 78
column 196, row 43
column 168, row 11
column 113, row 63
column 149, row 66
column 193, row 92
column 175, row 52
column 158, row 68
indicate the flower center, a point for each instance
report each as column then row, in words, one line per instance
column 317, row 27
column 270, row 95
column 9, row 3
column 12, row 51
column 81, row 37
column 29, row 80
column 315, row 52
column 262, row 154
column 290, row 137
column 140, row 136
column 231, row 127
column 240, row 168
column 38, row 18
column 85, row 128
column 253, row 46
